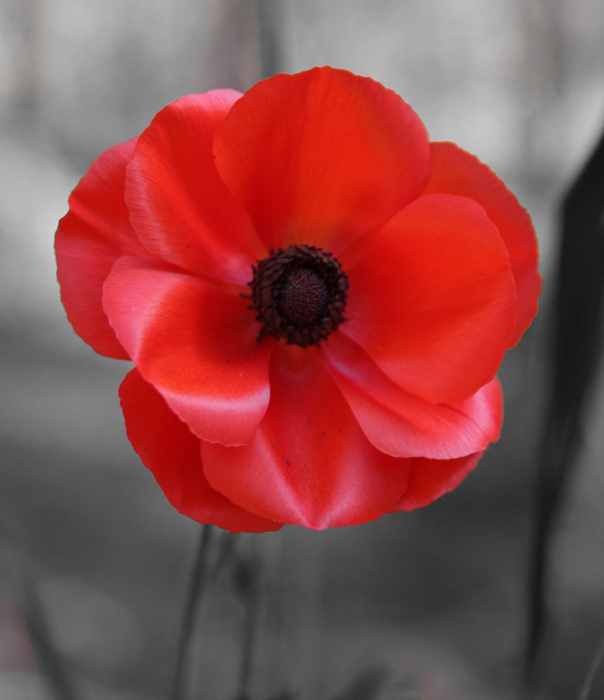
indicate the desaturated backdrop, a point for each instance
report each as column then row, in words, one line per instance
column 438, row 595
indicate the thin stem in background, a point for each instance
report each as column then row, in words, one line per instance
column 247, row 580
column 49, row 660
column 199, row 577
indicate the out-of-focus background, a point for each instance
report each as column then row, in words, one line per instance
column 438, row 595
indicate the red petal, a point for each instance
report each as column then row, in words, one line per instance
column 90, row 238
column 178, row 204
column 169, row 449
column 195, row 343
column 457, row 172
column 432, row 299
column 432, row 478
column 308, row 463
column 404, row 425
column 321, row 157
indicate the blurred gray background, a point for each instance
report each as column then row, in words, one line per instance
column 438, row 594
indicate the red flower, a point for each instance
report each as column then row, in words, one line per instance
column 390, row 276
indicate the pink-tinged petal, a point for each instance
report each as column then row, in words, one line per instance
column 195, row 343
column 457, row 172
column 171, row 451
column 178, row 204
column 321, row 157
column 309, row 463
column 432, row 299
column 432, row 478
column 404, row 425
column 91, row 237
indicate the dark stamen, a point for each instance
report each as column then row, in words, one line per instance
column 299, row 294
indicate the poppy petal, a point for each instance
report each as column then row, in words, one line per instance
column 432, row 299
column 170, row 450
column 404, row 425
column 195, row 343
column 454, row 171
column 178, row 204
column 432, row 478
column 91, row 237
column 309, row 463
column 321, row 157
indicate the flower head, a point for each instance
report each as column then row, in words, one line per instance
column 315, row 297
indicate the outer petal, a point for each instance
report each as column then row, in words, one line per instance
column 195, row 343
column 90, row 238
column 308, row 463
column 455, row 171
column 432, row 478
column 179, row 206
column 321, row 157
column 404, row 425
column 432, row 299
column 169, row 449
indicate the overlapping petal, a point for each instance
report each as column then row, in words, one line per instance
column 432, row 478
column 404, row 425
column 169, row 449
column 321, row 157
column 195, row 343
column 455, row 171
column 91, row 237
column 309, row 463
column 432, row 299
column 178, row 204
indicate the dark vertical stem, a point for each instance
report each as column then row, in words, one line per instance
column 576, row 348
column 199, row 577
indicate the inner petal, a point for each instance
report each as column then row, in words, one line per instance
column 433, row 300
column 321, row 157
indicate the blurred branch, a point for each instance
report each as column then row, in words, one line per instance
column 592, row 673
column 49, row 661
column 270, row 36
column 367, row 684
column 576, row 350
column 29, row 63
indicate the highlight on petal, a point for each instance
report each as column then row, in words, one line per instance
column 403, row 425
column 178, row 204
column 195, row 343
column 454, row 171
column 432, row 478
column 321, row 157
column 91, row 237
column 432, row 299
column 308, row 463
column 168, row 448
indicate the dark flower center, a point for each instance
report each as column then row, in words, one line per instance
column 299, row 294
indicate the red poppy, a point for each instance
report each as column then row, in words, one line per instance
column 316, row 300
